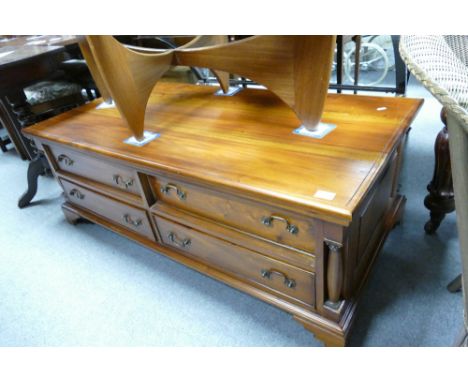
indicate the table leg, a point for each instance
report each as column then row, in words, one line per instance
column 440, row 200
column 12, row 110
column 37, row 167
column 4, row 142
column 401, row 72
column 357, row 60
column 339, row 62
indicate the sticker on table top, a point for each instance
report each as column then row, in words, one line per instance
column 327, row 195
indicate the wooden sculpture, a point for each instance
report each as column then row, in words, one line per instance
column 295, row 68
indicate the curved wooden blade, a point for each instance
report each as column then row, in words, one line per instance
column 296, row 68
column 128, row 76
column 94, row 69
column 204, row 41
column 208, row 41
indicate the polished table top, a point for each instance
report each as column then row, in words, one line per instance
column 39, row 40
column 246, row 142
column 10, row 55
column 19, row 49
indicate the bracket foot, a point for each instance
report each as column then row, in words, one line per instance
column 148, row 136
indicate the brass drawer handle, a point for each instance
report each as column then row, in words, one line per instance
column 62, row 158
column 179, row 243
column 268, row 221
column 77, row 194
column 129, row 220
column 165, row 190
column 120, row 181
column 290, row 283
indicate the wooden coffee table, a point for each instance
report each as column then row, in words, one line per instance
column 229, row 190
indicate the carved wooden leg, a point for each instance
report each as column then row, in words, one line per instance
column 440, row 200
column 328, row 337
column 36, row 167
column 72, row 216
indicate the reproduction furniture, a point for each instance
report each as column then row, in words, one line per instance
column 228, row 190
column 25, row 62
column 441, row 64
column 21, row 66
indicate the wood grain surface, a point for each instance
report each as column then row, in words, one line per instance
column 246, row 143
column 296, row 68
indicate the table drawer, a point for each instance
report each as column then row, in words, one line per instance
column 99, row 170
column 130, row 217
column 260, row 219
column 283, row 279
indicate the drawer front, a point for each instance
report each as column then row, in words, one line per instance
column 275, row 275
column 101, row 171
column 132, row 218
column 274, row 224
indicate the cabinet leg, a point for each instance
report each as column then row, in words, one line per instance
column 440, row 200
column 330, row 338
column 36, row 168
column 72, row 217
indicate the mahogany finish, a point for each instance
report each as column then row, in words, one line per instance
column 21, row 67
column 132, row 218
column 268, row 221
column 282, row 278
column 230, row 191
column 77, row 163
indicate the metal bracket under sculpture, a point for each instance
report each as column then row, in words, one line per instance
column 295, row 68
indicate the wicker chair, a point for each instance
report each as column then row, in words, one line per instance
column 441, row 64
